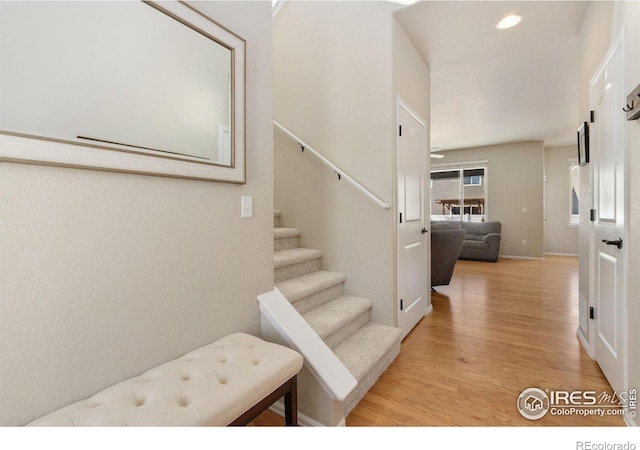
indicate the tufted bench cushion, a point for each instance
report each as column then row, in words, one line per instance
column 213, row 385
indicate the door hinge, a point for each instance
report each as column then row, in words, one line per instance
column 592, row 215
column 401, row 305
column 400, row 131
column 592, row 116
column 592, row 312
column 400, row 217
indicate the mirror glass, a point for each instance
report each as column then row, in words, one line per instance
column 131, row 76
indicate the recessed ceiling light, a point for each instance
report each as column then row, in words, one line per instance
column 508, row 22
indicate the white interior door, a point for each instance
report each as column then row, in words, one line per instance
column 607, row 154
column 413, row 248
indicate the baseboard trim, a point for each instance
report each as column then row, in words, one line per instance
column 429, row 310
column 303, row 420
column 561, row 254
column 585, row 342
column 532, row 258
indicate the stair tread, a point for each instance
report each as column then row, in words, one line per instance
column 285, row 258
column 362, row 350
column 304, row 286
column 283, row 233
column 342, row 321
column 337, row 313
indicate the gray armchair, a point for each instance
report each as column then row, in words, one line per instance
column 445, row 249
column 482, row 242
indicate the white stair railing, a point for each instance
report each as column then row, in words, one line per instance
column 341, row 173
column 281, row 318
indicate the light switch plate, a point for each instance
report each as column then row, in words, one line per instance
column 246, row 204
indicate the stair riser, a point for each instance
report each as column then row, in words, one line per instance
column 347, row 330
column 295, row 270
column 285, row 244
column 370, row 378
column 364, row 347
column 313, row 301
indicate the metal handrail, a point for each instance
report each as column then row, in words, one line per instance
column 341, row 173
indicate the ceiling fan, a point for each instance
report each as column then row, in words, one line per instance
column 436, row 155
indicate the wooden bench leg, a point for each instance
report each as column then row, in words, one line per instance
column 291, row 404
column 290, row 391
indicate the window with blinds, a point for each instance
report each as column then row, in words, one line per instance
column 458, row 192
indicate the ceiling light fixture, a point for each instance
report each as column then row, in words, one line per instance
column 508, row 22
column 436, row 155
column 405, row 2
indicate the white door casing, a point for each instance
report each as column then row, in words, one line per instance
column 608, row 333
column 413, row 248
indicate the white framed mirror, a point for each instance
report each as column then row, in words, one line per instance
column 142, row 87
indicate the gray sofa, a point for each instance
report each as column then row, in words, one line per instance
column 482, row 240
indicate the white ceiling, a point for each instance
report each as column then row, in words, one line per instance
column 493, row 86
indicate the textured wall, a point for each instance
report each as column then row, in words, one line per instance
column 104, row 275
column 333, row 88
column 559, row 236
column 630, row 12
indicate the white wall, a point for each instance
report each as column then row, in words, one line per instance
column 333, row 88
column 104, row 275
column 412, row 83
column 602, row 24
column 411, row 75
column 514, row 180
column 338, row 68
column 559, row 236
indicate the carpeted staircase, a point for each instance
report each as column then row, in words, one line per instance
column 342, row 321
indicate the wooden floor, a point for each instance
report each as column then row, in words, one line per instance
column 496, row 330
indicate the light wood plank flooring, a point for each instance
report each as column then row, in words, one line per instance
column 496, row 330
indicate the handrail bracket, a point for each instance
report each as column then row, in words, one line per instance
column 341, row 173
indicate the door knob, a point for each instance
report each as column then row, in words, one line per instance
column 617, row 242
column 424, row 230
